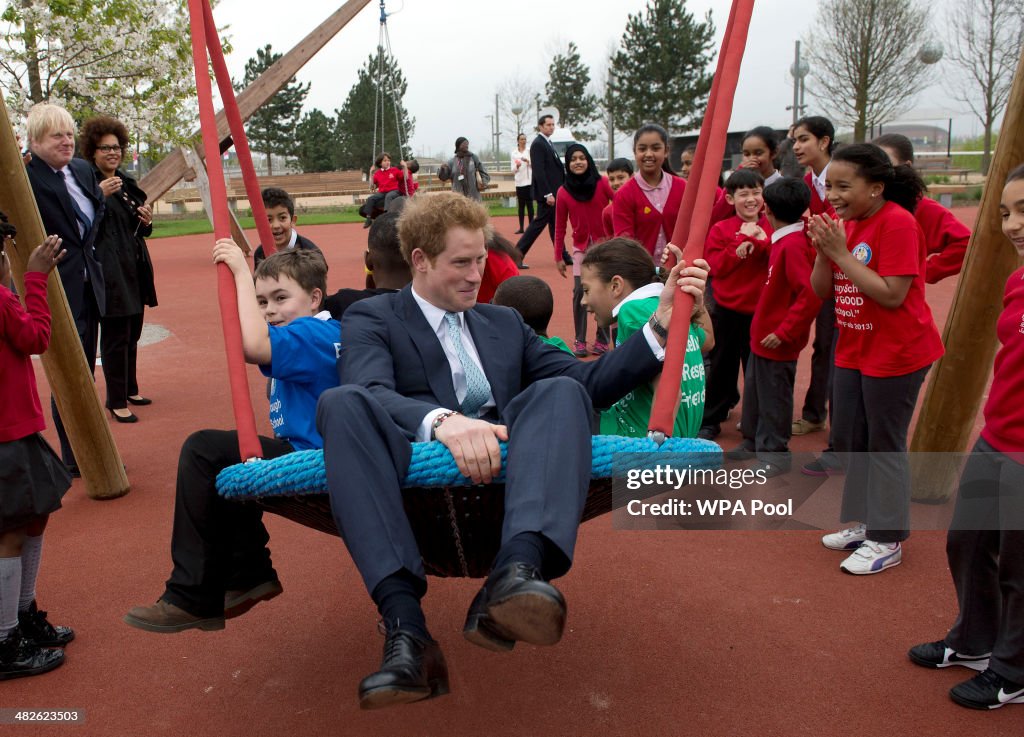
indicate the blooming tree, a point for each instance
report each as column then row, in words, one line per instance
column 128, row 58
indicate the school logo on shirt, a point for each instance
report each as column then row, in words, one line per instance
column 647, row 211
column 862, row 252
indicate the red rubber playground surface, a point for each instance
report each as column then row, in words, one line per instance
column 670, row 632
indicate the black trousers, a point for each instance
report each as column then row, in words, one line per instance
column 366, row 456
column 545, row 219
column 119, row 346
column 987, row 565
column 216, row 545
column 87, row 323
column 732, row 348
column 525, row 202
column 579, row 315
column 374, row 202
column 870, row 420
column 768, row 409
column 819, row 391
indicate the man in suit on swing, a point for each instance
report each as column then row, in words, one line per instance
column 430, row 363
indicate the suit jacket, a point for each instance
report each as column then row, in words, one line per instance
column 58, row 214
column 548, row 171
column 391, row 350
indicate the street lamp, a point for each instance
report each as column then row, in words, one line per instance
column 799, row 69
column 517, row 111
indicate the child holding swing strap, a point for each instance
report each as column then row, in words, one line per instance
column 33, row 480
column 987, row 562
column 872, row 261
column 621, row 288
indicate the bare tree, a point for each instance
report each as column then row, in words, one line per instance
column 985, row 44
column 864, row 59
column 517, row 93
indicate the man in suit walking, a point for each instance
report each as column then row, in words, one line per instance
column 548, row 176
column 71, row 205
column 430, row 363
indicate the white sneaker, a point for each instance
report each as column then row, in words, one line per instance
column 848, row 539
column 872, row 557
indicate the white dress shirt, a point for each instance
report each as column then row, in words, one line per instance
column 524, row 174
column 79, row 195
column 818, row 180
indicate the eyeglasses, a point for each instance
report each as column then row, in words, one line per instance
column 109, row 149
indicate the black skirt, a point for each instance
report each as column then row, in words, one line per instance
column 33, row 480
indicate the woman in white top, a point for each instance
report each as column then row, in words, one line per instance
column 524, row 179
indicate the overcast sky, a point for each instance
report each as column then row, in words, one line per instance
column 456, row 53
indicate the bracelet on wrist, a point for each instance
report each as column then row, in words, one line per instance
column 659, row 330
column 439, row 420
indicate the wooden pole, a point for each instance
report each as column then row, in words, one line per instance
column 168, row 172
column 64, row 361
column 198, row 169
column 953, row 397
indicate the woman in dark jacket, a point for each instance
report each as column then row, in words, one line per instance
column 127, row 268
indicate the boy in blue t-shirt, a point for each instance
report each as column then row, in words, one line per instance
column 222, row 566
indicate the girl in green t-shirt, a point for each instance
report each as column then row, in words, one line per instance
column 621, row 288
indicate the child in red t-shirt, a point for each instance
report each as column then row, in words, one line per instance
column 737, row 250
column 34, row 478
column 779, row 331
column 945, row 237
column 386, row 179
column 872, row 261
column 985, row 543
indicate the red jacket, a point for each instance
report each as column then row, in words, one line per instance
column 738, row 282
column 23, row 331
column 787, row 305
column 818, row 205
column 585, row 217
column 945, row 237
column 386, row 180
column 498, row 268
column 635, row 217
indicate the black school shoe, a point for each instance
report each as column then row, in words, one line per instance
column 35, row 627
column 20, row 657
column 987, row 690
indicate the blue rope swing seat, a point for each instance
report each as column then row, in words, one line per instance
column 457, row 524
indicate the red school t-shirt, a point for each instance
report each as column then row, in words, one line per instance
column 1004, row 428
column 875, row 340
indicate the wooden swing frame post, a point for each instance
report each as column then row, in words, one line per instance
column 64, row 361
column 953, row 397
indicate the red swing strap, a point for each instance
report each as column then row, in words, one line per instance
column 695, row 211
column 204, row 37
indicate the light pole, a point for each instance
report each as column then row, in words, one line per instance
column 517, row 112
column 799, row 70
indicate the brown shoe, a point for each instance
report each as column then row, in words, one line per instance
column 164, row 617
column 238, row 602
column 802, row 426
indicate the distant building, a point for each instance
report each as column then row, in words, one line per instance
column 732, row 156
column 924, row 137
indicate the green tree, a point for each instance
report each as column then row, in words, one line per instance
column 365, row 125
column 128, row 58
column 316, row 142
column 864, row 59
column 660, row 72
column 271, row 129
column 566, row 90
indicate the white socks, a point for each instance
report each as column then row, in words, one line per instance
column 31, row 554
column 10, row 585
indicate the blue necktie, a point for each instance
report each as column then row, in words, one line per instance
column 83, row 220
column 478, row 389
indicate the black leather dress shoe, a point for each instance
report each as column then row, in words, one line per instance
column 140, row 400
column 413, row 670
column 515, row 603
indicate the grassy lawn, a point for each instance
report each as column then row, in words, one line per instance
column 166, row 228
